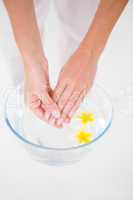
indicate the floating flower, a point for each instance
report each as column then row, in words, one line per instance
column 86, row 117
column 83, row 137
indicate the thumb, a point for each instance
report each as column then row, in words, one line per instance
column 49, row 105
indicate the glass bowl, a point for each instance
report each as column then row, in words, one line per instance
column 55, row 146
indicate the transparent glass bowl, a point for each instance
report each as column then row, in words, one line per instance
column 58, row 146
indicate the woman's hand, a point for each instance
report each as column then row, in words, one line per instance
column 77, row 75
column 38, row 91
column 27, row 35
column 75, row 80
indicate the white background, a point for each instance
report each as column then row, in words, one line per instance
column 107, row 171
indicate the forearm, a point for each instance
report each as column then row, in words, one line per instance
column 26, row 32
column 106, row 16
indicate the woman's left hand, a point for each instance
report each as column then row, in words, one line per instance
column 75, row 80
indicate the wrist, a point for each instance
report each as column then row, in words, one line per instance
column 96, row 37
column 93, row 44
column 89, row 52
column 35, row 63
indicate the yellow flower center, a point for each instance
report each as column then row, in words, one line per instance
column 83, row 137
column 86, row 117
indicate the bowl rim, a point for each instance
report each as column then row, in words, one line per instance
column 26, row 141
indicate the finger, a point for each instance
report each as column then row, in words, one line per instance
column 76, row 105
column 33, row 101
column 71, row 102
column 39, row 112
column 53, row 121
column 34, row 104
column 60, row 87
column 59, row 123
column 64, row 97
column 49, row 105
column 47, row 115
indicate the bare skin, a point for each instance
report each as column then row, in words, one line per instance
column 27, row 35
column 58, row 106
column 85, row 59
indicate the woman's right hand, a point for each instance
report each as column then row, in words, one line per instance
column 27, row 35
column 38, row 91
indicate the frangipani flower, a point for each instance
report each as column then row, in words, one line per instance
column 86, row 117
column 83, row 137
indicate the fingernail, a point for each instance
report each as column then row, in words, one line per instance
column 56, row 114
column 60, row 121
column 70, row 114
column 67, row 120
